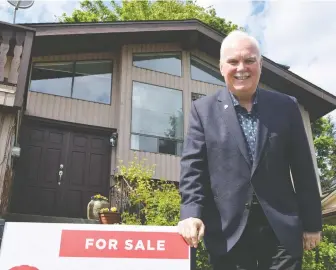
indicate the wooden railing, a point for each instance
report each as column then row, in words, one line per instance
column 15, row 56
column 13, row 41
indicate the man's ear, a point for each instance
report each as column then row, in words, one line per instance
column 220, row 68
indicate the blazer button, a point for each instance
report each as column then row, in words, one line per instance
column 247, row 206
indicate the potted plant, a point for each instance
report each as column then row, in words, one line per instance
column 109, row 216
column 97, row 203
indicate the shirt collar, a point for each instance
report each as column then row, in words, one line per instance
column 236, row 102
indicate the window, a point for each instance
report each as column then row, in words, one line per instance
column 202, row 71
column 157, row 119
column 87, row 80
column 169, row 63
column 195, row 96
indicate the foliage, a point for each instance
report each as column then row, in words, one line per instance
column 329, row 232
column 202, row 261
column 324, row 135
column 107, row 210
column 99, row 197
column 323, row 257
column 139, row 10
column 157, row 201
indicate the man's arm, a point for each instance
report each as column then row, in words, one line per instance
column 193, row 169
column 303, row 173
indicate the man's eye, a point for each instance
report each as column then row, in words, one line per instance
column 233, row 62
column 250, row 61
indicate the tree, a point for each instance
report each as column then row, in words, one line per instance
column 324, row 135
column 139, row 10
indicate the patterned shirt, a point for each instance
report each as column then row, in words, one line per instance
column 249, row 124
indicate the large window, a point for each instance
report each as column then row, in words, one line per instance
column 157, row 119
column 205, row 72
column 169, row 63
column 87, row 80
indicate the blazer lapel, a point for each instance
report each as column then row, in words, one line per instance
column 263, row 116
column 227, row 111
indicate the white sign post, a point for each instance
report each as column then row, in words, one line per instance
column 52, row 246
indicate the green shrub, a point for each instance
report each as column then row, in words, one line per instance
column 150, row 202
column 324, row 256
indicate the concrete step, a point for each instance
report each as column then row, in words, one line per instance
column 13, row 217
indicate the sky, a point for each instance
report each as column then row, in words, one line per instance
column 297, row 33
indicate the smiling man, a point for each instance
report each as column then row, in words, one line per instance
column 243, row 145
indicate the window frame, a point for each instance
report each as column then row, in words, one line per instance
column 204, row 63
column 154, row 136
column 157, row 144
column 74, row 62
column 179, row 53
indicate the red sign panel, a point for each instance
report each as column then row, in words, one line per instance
column 123, row 244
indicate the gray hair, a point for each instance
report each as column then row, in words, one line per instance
column 238, row 34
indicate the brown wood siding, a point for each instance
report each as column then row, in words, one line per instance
column 7, row 130
column 75, row 110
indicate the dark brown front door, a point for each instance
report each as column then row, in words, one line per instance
column 59, row 170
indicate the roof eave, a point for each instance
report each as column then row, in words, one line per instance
column 18, row 26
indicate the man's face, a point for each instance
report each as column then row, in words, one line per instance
column 241, row 67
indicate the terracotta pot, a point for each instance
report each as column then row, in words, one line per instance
column 94, row 206
column 110, row 218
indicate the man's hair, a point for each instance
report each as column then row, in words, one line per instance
column 238, row 34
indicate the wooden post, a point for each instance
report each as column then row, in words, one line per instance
column 14, row 68
column 4, row 47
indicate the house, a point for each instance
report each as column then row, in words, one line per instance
column 329, row 206
column 103, row 92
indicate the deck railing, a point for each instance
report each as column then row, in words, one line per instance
column 15, row 56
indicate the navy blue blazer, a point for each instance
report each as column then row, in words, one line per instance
column 218, row 179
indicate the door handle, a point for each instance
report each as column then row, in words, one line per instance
column 60, row 173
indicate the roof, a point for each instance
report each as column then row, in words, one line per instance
column 329, row 212
column 328, row 197
column 5, row 26
column 86, row 36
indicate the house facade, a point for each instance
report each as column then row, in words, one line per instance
column 99, row 93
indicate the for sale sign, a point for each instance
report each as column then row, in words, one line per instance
column 50, row 246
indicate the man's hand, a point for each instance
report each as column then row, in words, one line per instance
column 311, row 240
column 192, row 230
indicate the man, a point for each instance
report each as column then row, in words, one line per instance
column 242, row 148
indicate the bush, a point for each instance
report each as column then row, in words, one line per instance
column 324, row 256
column 150, row 202
column 157, row 202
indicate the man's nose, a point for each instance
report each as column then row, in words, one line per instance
column 241, row 66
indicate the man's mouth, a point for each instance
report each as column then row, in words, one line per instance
column 242, row 77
